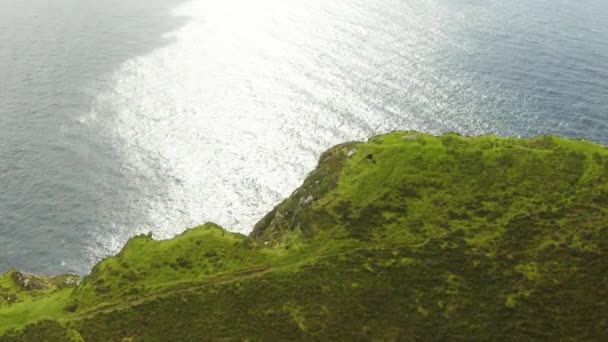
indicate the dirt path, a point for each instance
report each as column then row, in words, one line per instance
column 220, row 279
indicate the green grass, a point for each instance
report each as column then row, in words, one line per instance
column 405, row 237
column 16, row 287
column 51, row 306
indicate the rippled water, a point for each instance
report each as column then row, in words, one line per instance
column 123, row 117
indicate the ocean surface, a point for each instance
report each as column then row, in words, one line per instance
column 122, row 117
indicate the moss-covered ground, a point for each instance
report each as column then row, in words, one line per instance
column 17, row 287
column 405, row 237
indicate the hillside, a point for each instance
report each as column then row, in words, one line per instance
column 407, row 236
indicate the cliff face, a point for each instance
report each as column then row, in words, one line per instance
column 405, row 237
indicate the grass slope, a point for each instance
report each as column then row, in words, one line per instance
column 405, row 237
column 16, row 287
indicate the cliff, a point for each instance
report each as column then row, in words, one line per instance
column 405, row 237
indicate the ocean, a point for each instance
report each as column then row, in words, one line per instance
column 126, row 117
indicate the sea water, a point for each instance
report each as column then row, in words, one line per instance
column 123, row 117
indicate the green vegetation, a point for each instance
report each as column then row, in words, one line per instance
column 405, row 237
column 16, row 287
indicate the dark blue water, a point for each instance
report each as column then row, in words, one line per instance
column 123, row 117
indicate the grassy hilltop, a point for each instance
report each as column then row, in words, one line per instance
column 405, row 237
